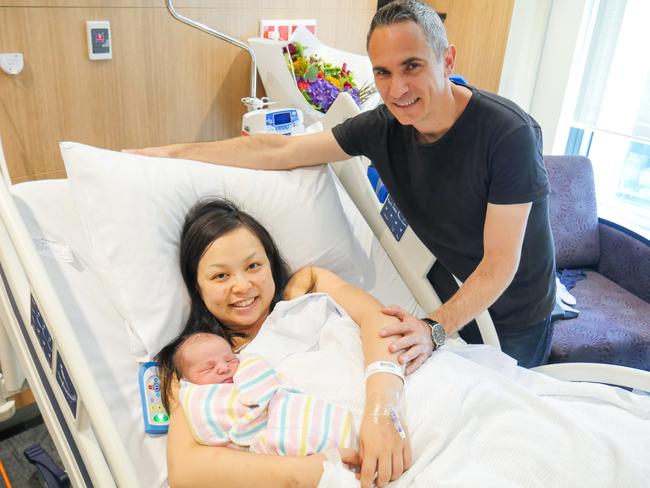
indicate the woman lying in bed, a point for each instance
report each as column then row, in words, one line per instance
column 235, row 276
column 475, row 418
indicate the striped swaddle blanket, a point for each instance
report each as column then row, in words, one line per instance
column 262, row 411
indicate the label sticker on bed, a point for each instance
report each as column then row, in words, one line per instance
column 394, row 218
column 65, row 382
column 52, row 249
column 41, row 331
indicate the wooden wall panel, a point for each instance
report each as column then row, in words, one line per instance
column 479, row 29
column 166, row 82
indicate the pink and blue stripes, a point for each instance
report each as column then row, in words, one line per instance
column 261, row 411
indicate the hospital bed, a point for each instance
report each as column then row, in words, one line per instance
column 69, row 338
column 74, row 351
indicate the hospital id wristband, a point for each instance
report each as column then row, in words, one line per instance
column 384, row 367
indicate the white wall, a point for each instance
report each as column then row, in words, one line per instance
column 544, row 59
column 524, row 50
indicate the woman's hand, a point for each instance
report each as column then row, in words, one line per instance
column 384, row 452
column 415, row 338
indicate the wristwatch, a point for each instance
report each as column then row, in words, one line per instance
column 438, row 334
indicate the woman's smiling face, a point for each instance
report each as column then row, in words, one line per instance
column 236, row 282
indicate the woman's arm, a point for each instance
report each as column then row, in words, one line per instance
column 381, row 448
column 192, row 465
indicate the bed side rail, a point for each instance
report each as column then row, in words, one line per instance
column 599, row 373
column 44, row 341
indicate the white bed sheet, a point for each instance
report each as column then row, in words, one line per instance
column 48, row 211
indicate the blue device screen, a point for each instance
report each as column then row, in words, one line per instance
column 282, row 118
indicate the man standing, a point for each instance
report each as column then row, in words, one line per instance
column 466, row 170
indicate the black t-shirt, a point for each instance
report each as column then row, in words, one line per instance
column 492, row 154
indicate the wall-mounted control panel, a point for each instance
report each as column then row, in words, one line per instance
column 98, row 33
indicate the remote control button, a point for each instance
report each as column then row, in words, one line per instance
column 150, row 387
column 165, row 418
column 158, row 395
column 156, row 387
column 155, row 380
column 152, row 399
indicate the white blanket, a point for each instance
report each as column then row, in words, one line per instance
column 475, row 418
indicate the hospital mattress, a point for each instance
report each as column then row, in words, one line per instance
column 53, row 223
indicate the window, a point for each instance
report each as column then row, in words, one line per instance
column 611, row 123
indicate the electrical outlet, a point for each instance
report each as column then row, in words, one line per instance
column 282, row 29
column 12, row 63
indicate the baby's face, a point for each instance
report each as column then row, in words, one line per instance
column 207, row 359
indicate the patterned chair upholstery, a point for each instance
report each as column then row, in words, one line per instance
column 614, row 299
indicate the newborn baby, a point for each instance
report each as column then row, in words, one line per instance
column 248, row 405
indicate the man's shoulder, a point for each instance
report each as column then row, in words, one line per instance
column 380, row 114
column 361, row 134
column 501, row 110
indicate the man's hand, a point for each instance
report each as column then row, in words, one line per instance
column 415, row 338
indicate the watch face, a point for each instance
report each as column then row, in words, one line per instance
column 438, row 334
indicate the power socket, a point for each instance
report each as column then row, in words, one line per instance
column 12, row 63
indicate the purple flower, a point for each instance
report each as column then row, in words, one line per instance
column 322, row 93
column 354, row 93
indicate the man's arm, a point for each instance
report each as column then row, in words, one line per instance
column 264, row 151
column 503, row 235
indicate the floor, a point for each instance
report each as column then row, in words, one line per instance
column 23, row 430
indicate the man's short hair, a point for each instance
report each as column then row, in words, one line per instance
column 413, row 11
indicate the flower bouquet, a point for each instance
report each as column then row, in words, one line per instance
column 321, row 82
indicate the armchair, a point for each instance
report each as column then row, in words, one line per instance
column 614, row 299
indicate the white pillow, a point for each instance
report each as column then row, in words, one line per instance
column 133, row 208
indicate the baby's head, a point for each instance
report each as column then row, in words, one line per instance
column 205, row 358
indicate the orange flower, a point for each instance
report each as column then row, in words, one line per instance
column 334, row 81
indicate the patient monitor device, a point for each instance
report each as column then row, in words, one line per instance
column 156, row 418
column 285, row 121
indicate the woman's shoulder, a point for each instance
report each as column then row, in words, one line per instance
column 311, row 279
column 302, row 282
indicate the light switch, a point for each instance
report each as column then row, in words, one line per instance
column 99, row 39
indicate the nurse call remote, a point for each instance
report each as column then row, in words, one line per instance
column 156, row 418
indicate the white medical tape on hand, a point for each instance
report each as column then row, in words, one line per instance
column 384, row 367
column 394, row 417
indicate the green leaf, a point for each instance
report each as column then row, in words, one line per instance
column 311, row 73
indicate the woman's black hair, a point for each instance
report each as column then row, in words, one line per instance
column 207, row 221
